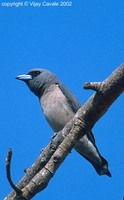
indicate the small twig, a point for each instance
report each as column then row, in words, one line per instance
column 96, row 86
column 8, row 164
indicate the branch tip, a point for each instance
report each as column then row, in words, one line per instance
column 8, row 172
column 93, row 86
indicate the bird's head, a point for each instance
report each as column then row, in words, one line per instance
column 38, row 80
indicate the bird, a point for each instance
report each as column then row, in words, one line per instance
column 59, row 106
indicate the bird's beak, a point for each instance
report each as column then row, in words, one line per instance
column 24, row 77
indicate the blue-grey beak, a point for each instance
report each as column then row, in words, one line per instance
column 24, row 77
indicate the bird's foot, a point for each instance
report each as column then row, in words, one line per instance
column 53, row 136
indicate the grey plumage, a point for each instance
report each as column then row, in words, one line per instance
column 59, row 106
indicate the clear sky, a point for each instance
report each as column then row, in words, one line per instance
column 79, row 43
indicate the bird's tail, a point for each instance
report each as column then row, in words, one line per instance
column 103, row 169
column 88, row 149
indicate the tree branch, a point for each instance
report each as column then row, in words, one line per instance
column 8, row 164
column 39, row 174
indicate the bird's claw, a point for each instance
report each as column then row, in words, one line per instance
column 53, row 136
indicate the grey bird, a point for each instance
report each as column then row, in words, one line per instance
column 59, row 105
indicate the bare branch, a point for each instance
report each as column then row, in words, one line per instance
column 93, row 86
column 8, row 164
column 108, row 91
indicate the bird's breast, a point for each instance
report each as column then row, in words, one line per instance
column 56, row 108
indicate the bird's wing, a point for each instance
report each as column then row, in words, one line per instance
column 75, row 106
column 72, row 100
column 91, row 137
column 86, row 145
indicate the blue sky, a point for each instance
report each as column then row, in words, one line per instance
column 80, row 43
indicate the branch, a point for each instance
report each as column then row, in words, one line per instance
column 8, row 164
column 36, row 179
column 93, row 86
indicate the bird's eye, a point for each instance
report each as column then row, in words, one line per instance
column 37, row 72
column 34, row 73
